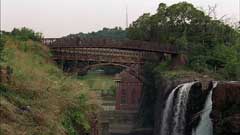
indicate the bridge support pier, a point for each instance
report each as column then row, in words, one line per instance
column 128, row 92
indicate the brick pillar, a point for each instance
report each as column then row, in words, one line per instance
column 118, row 95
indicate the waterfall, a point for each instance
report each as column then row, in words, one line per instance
column 205, row 125
column 174, row 111
column 167, row 112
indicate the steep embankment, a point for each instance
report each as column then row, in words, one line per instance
column 36, row 97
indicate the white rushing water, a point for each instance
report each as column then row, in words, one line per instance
column 167, row 112
column 178, row 110
column 205, row 125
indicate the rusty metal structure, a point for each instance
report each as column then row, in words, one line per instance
column 101, row 51
column 78, row 42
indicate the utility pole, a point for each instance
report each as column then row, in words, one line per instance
column 126, row 16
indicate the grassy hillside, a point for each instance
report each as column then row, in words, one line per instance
column 39, row 99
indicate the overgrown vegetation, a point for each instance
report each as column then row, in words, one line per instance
column 24, row 34
column 149, row 94
column 212, row 45
column 75, row 120
column 38, row 98
column 2, row 43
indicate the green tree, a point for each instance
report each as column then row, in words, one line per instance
column 141, row 29
column 26, row 34
column 189, row 28
column 113, row 33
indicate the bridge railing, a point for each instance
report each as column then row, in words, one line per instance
column 110, row 43
column 49, row 41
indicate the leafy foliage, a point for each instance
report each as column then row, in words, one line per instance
column 212, row 45
column 113, row 33
column 25, row 34
column 2, row 43
column 146, row 112
column 75, row 120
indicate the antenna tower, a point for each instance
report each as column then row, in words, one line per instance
column 126, row 16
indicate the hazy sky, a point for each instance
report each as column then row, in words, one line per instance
column 55, row 18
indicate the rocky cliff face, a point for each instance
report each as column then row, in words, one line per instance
column 226, row 105
column 226, row 108
column 197, row 95
column 225, row 99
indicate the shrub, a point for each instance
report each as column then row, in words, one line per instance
column 25, row 34
column 75, row 118
column 2, row 43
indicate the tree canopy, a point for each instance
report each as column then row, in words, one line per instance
column 212, row 44
column 26, row 34
column 114, row 33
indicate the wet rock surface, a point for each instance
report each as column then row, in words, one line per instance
column 226, row 105
column 197, row 93
column 226, row 108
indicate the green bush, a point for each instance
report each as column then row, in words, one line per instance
column 113, row 33
column 2, row 43
column 75, row 120
column 25, row 34
column 198, row 63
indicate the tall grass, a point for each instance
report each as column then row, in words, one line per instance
column 38, row 98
